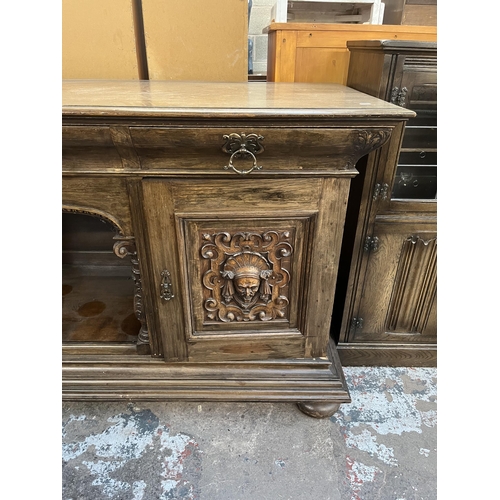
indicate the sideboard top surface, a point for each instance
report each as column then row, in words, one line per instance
column 107, row 98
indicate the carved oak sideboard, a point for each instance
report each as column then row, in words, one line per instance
column 227, row 204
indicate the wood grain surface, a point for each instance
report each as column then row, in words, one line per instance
column 145, row 98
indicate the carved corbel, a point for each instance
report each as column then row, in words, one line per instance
column 367, row 141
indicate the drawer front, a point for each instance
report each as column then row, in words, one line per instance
column 420, row 138
column 418, row 158
column 257, row 150
column 89, row 148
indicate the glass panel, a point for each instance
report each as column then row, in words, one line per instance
column 420, row 138
column 97, row 286
column 415, row 182
column 423, row 157
column 424, row 118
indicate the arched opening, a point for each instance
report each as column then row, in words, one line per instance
column 98, row 287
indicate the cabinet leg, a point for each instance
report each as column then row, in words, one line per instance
column 318, row 409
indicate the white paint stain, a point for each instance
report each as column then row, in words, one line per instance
column 138, row 488
column 424, row 451
column 358, row 474
column 119, row 440
column 72, row 418
column 173, row 464
column 429, row 418
column 370, row 405
column 103, row 470
column 124, row 441
column 383, row 403
column 362, row 472
column 365, row 441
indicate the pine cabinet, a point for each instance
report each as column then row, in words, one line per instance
column 388, row 292
column 227, row 202
column 318, row 53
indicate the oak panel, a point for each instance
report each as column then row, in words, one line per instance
column 105, row 196
column 402, row 270
column 113, row 100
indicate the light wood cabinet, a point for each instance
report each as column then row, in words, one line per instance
column 228, row 201
column 317, row 53
column 389, row 315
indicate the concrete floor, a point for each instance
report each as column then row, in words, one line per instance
column 383, row 445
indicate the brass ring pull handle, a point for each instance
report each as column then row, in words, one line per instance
column 242, row 151
column 166, row 292
column 239, row 145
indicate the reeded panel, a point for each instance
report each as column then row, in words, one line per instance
column 397, row 303
column 415, row 286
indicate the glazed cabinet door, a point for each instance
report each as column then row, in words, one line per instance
column 415, row 179
column 237, row 267
column 398, row 296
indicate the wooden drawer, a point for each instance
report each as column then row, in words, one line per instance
column 418, row 158
column 420, row 138
column 275, row 150
column 89, row 148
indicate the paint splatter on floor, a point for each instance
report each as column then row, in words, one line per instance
column 380, row 446
column 386, row 404
column 155, row 462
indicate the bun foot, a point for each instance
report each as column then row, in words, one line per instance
column 318, row 409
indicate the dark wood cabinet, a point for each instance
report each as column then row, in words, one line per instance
column 388, row 290
column 228, row 203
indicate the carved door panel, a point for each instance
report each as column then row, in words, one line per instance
column 399, row 291
column 236, row 268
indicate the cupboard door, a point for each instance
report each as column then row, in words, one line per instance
column 399, row 294
column 415, row 88
column 236, row 266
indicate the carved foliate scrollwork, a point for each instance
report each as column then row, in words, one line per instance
column 125, row 247
column 251, row 142
column 247, row 277
column 366, row 141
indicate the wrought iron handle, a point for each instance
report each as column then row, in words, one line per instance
column 380, row 190
column 166, row 292
column 238, row 145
